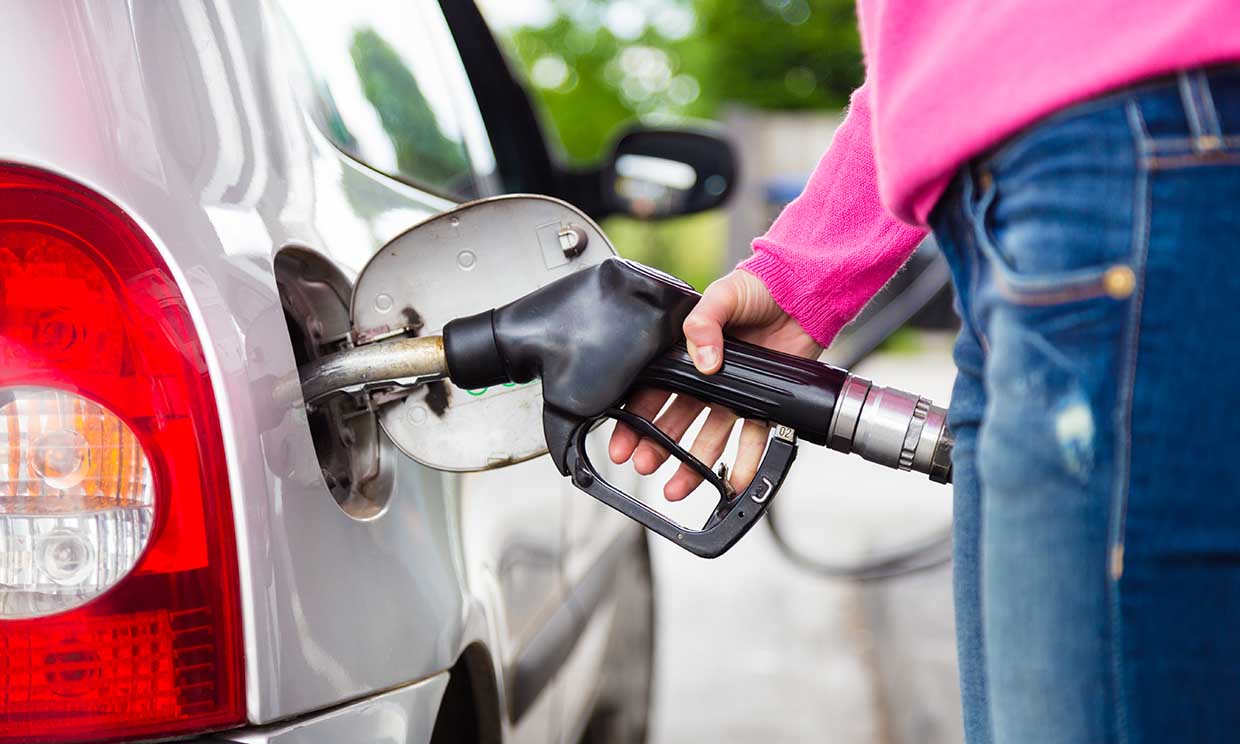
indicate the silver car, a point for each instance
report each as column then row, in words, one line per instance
column 187, row 192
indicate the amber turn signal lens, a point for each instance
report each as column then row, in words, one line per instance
column 76, row 506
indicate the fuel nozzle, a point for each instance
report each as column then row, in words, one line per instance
column 892, row 427
column 400, row 362
column 595, row 335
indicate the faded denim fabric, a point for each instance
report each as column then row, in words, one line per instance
column 1096, row 258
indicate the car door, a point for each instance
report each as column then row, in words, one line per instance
column 392, row 95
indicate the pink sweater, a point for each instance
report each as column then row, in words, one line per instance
column 945, row 81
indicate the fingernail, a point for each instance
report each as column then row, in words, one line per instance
column 707, row 358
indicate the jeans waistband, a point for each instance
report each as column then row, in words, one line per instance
column 1201, row 105
column 1199, row 108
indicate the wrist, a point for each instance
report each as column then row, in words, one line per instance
column 802, row 300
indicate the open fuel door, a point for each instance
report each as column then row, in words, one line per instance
column 464, row 261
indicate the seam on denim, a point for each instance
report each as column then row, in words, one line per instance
column 967, row 210
column 1087, row 106
column 1195, row 160
column 1090, row 105
column 1189, row 102
column 1199, row 110
column 1142, row 209
column 1059, row 289
column 1150, row 146
column 1209, row 110
column 1133, row 108
column 1179, row 143
column 1037, row 298
column 975, row 280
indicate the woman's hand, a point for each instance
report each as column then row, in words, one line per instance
column 741, row 303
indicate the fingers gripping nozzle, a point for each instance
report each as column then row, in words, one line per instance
column 594, row 335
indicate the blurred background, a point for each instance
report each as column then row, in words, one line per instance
column 827, row 657
column 595, row 66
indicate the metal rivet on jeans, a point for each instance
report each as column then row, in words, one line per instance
column 1119, row 282
column 1208, row 143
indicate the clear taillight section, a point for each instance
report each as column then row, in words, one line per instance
column 76, row 503
column 119, row 607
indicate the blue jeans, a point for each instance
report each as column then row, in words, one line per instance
column 1097, row 261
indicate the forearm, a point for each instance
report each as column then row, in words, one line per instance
column 835, row 245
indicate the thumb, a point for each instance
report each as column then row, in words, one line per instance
column 704, row 326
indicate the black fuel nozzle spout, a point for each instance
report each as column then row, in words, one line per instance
column 595, row 335
column 588, row 337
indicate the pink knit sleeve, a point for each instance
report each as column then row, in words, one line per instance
column 835, row 245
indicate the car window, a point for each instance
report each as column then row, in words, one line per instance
column 387, row 88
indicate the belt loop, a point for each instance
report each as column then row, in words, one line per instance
column 1199, row 109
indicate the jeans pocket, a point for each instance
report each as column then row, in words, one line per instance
column 1038, row 243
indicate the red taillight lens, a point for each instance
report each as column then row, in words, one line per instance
column 88, row 307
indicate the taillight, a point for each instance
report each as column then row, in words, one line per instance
column 76, row 508
column 119, row 613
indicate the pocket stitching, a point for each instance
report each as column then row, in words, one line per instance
column 1191, row 160
column 1117, row 538
column 1051, row 289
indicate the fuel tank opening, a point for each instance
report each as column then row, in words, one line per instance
column 355, row 457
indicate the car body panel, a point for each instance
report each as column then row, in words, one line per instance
column 402, row 716
column 181, row 113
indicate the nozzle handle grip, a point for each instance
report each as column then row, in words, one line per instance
column 757, row 383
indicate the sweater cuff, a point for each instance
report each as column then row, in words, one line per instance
column 796, row 296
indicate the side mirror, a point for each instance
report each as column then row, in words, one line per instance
column 657, row 173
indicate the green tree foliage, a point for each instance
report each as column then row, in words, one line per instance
column 777, row 54
column 422, row 149
column 588, row 88
column 767, row 54
column 591, row 78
